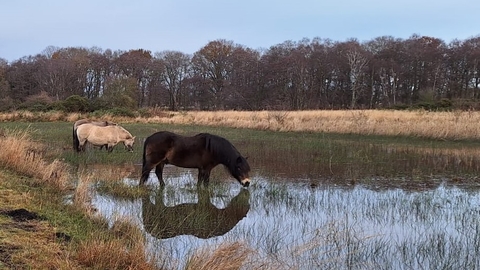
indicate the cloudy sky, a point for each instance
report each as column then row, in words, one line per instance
column 27, row 27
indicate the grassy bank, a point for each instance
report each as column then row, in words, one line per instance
column 37, row 178
column 39, row 230
column 455, row 125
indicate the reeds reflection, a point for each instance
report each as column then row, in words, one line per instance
column 202, row 219
column 346, row 163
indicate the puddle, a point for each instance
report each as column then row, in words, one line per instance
column 370, row 207
column 308, row 227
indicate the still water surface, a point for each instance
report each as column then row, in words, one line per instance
column 358, row 206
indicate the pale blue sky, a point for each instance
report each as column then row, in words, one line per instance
column 27, row 27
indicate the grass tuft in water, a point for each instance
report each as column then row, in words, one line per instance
column 121, row 190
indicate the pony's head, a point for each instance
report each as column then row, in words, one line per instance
column 240, row 171
column 129, row 142
column 229, row 156
column 128, row 139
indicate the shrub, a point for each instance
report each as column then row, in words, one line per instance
column 37, row 103
column 58, row 106
column 6, row 104
column 121, row 112
column 76, row 103
column 145, row 113
column 99, row 104
column 445, row 103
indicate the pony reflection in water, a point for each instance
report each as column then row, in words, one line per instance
column 203, row 219
column 203, row 151
column 108, row 135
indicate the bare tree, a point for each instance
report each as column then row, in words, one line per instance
column 213, row 63
column 315, row 74
column 357, row 62
column 176, row 70
column 136, row 64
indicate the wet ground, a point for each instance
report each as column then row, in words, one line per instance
column 335, row 205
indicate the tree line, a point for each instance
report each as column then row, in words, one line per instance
column 384, row 72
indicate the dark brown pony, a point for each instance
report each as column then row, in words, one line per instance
column 76, row 142
column 203, row 151
column 202, row 219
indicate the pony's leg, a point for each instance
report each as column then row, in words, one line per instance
column 145, row 173
column 146, row 168
column 82, row 144
column 203, row 177
column 110, row 148
column 159, row 173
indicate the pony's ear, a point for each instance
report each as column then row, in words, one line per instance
column 239, row 159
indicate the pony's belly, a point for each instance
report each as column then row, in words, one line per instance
column 99, row 141
column 185, row 162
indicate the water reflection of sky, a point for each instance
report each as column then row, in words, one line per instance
column 286, row 217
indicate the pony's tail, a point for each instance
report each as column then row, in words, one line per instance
column 76, row 142
column 144, row 155
column 145, row 171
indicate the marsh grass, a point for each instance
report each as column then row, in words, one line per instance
column 22, row 154
column 82, row 197
column 227, row 256
column 456, row 125
column 112, row 254
column 111, row 180
column 30, row 244
column 349, row 250
column 123, row 249
column 33, row 244
column 34, row 247
column 121, row 190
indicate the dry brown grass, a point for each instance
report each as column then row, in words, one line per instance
column 125, row 251
column 20, row 153
column 82, row 197
column 29, row 244
column 112, row 254
column 110, row 172
column 32, row 116
column 228, row 256
column 455, row 125
column 33, row 244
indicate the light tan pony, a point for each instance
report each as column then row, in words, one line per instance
column 76, row 143
column 107, row 135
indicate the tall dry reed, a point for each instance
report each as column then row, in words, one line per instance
column 20, row 153
column 82, row 197
column 228, row 256
column 125, row 251
column 454, row 125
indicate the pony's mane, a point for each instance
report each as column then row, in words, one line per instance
column 222, row 148
column 124, row 130
column 96, row 123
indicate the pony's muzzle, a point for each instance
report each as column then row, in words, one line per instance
column 245, row 182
